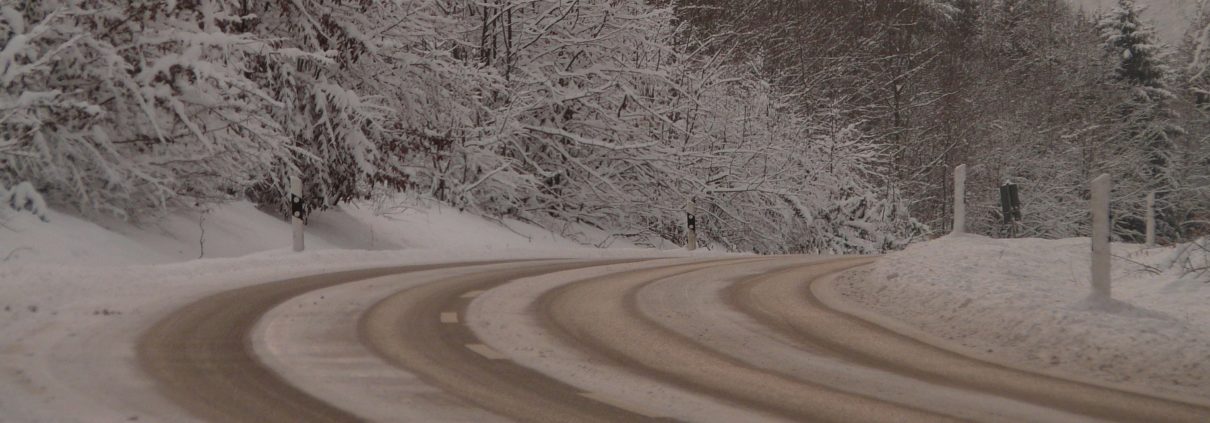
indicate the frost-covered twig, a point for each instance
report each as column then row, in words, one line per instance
column 1146, row 267
column 13, row 253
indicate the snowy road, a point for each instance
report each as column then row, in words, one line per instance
column 735, row 339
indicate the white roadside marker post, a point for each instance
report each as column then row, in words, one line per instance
column 296, row 211
column 960, row 199
column 1100, row 237
column 691, row 225
column 1150, row 219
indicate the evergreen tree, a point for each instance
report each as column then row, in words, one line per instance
column 1146, row 145
column 1192, row 211
column 1037, row 106
column 1141, row 62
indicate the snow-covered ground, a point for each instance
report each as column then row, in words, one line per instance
column 75, row 295
column 1022, row 302
column 239, row 229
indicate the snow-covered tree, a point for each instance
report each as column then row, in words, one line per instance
column 618, row 118
column 1195, row 55
column 602, row 112
column 129, row 107
column 1143, row 151
column 1191, row 199
column 1125, row 34
column 390, row 87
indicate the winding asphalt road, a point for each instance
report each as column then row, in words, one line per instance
column 735, row 339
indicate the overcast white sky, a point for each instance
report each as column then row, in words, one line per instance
column 1169, row 16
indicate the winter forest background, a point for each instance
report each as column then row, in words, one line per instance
column 798, row 126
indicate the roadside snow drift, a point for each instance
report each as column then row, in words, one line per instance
column 1023, row 302
column 239, row 229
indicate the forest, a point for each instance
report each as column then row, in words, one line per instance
column 805, row 126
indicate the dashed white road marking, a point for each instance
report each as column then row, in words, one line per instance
column 486, row 351
column 449, row 317
column 628, row 407
column 473, row 294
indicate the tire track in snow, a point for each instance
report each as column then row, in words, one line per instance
column 647, row 327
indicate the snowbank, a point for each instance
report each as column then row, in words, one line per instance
column 239, row 229
column 1023, row 302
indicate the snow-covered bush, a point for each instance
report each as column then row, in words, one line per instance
column 22, row 198
column 1191, row 260
column 602, row 112
column 382, row 109
column 611, row 116
column 127, row 107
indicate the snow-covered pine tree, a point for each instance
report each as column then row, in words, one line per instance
column 1142, row 153
column 1039, row 109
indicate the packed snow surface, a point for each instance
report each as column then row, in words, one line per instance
column 1024, row 303
column 75, row 295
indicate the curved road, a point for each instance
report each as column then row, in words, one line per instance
column 736, row 339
